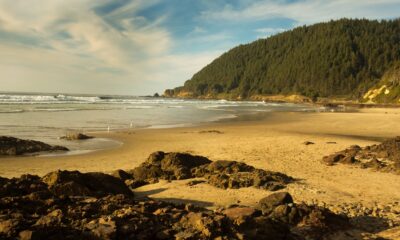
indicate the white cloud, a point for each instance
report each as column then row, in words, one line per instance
column 95, row 53
column 307, row 11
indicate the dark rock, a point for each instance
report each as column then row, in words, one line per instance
column 103, row 228
column 308, row 143
column 121, row 174
column 168, row 166
column 232, row 174
column 222, row 167
column 76, row 136
column 11, row 146
column 270, row 202
column 333, row 158
column 74, row 183
column 382, row 157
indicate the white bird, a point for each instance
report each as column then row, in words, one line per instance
column 131, row 124
column 108, row 128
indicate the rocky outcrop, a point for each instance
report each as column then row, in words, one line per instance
column 221, row 174
column 169, row 166
column 76, row 136
column 10, row 146
column 74, row 183
column 232, row 174
column 31, row 208
column 383, row 157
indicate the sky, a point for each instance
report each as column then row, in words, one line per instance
column 139, row 47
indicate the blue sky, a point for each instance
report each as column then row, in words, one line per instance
column 140, row 47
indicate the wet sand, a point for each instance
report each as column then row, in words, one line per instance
column 274, row 143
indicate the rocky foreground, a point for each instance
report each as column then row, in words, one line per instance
column 384, row 157
column 10, row 146
column 74, row 205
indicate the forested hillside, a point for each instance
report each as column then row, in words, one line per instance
column 342, row 58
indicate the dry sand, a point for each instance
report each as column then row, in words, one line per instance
column 274, row 143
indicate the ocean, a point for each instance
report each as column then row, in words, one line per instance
column 47, row 117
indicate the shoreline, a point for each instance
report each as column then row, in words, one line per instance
column 124, row 136
column 274, row 143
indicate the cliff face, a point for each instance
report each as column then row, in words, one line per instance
column 343, row 59
column 388, row 88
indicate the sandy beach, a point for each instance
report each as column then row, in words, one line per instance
column 273, row 143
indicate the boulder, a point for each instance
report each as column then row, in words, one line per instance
column 11, row 146
column 74, row 183
column 240, row 212
column 269, row 203
column 169, row 166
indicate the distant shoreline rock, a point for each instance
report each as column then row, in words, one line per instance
column 76, row 136
column 11, row 146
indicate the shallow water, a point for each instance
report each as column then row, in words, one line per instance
column 46, row 117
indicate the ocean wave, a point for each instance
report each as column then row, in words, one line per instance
column 139, row 107
column 12, row 111
column 56, row 109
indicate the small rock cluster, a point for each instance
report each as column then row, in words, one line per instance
column 10, row 146
column 383, row 157
column 232, row 174
column 221, row 174
column 72, row 136
column 74, row 205
column 372, row 217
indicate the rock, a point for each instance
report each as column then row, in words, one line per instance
column 348, row 160
column 383, row 157
column 333, row 158
column 7, row 227
column 168, row 166
column 53, row 218
column 74, row 183
column 223, row 167
column 232, row 174
column 103, row 228
column 239, row 212
column 121, row 174
column 268, row 203
column 202, row 225
column 308, row 143
column 11, row 146
column 76, row 136
column 25, row 235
